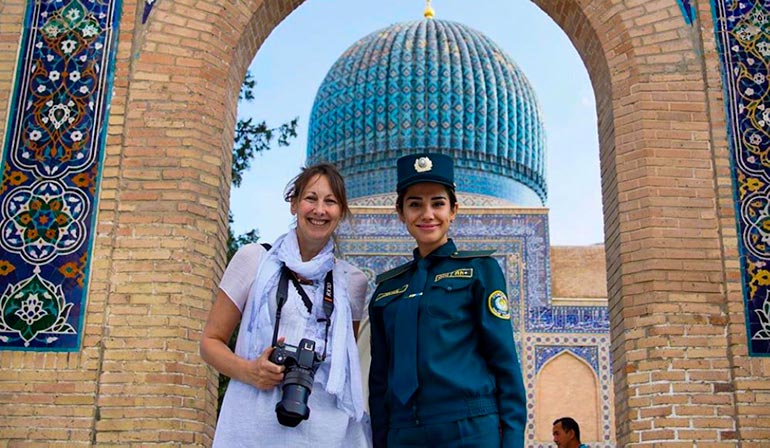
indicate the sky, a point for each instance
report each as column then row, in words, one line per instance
column 294, row 59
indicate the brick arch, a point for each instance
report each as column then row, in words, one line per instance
column 172, row 188
column 654, row 120
column 164, row 219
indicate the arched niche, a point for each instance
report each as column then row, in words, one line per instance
column 567, row 387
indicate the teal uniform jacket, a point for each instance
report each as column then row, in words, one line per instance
column 466, row 357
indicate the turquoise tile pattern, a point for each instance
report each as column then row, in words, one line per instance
column 52, row 158
column 431, row 85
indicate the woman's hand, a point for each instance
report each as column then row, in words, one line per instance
column 223, row 319
column 263, row 374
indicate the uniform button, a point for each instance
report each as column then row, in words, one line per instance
column 449, row 288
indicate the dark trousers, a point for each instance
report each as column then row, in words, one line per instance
column 476, row 432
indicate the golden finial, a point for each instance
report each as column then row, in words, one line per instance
column 428, row 13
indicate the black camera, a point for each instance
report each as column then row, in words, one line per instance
column 301, row 364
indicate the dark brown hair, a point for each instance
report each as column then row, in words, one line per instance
column 569, row 424
column 450, row 192
column 295, row 186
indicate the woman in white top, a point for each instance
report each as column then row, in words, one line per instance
column 247, row 295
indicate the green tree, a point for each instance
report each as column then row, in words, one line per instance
column 251, row 137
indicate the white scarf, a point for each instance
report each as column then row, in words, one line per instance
column 344, row 380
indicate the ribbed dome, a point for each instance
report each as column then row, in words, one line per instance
column 430, row 85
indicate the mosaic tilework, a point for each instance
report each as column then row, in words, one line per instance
column 743, row 38
column 568, row 319
column 465, row 200
column 522, row 235
column 589, row 354
column 378, row 242
column 428, row 84
column 688, row 11
column 595, row 349
column 51, row 160
column 468, row 180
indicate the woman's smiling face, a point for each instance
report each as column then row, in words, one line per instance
column 318, row 213
column 427, row 213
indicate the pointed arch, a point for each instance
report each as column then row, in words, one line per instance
column 567, row 386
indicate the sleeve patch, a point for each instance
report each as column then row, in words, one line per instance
column 498, row 305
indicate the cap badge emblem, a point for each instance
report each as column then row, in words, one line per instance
column 423, row 164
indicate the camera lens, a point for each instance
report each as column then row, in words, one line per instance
column 292, row 408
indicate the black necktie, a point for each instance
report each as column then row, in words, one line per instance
column 405, row 359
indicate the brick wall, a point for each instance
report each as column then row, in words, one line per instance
column 579, row 272
column 44, row 397
column 679, row 345
column 750, row 376
column 167, row 226
column 10, row 32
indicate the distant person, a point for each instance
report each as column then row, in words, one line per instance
column 299, row 299
column 566, row 433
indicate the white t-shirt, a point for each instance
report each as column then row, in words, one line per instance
column 247, row 417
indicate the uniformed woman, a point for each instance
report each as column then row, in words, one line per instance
column 444, row 369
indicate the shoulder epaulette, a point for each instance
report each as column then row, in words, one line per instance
column 472, row 253
column 387, row 275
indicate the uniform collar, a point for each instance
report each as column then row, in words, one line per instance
column 443, row 251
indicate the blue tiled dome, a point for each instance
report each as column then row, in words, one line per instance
column 430, row 85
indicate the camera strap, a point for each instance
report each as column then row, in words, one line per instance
column 282, row 295
column 280, row 299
